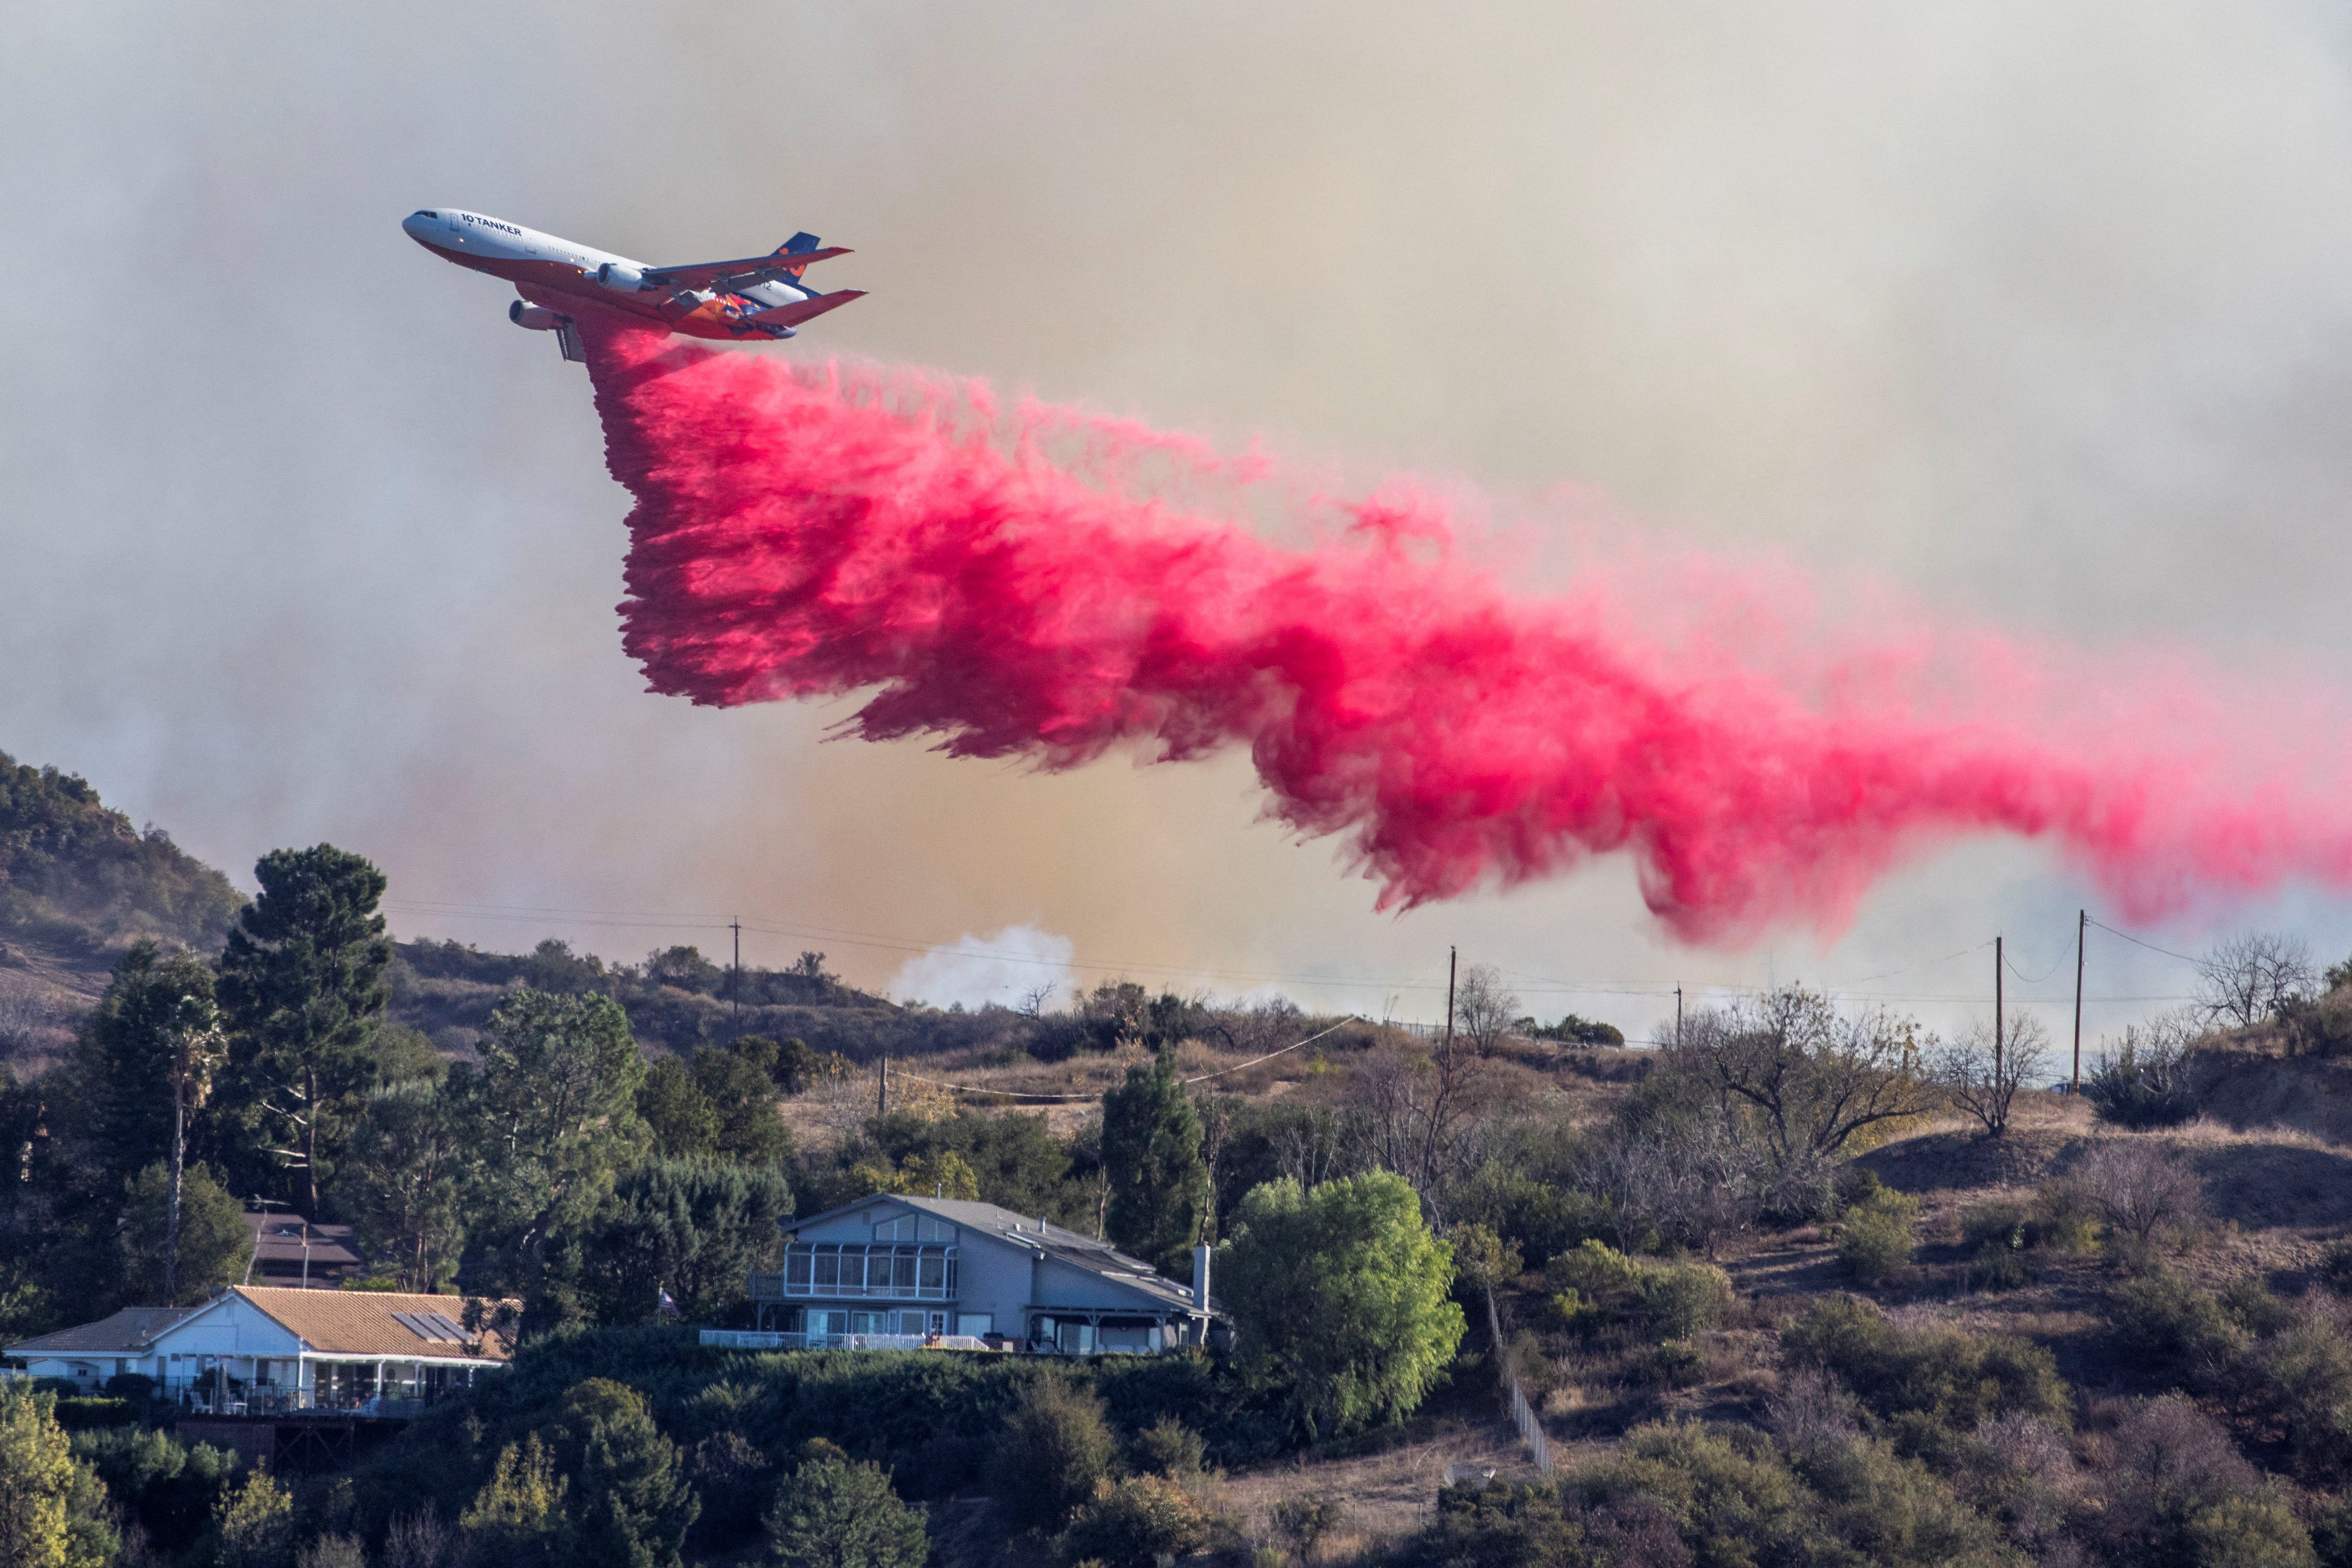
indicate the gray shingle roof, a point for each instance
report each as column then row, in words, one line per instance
column 131, row 1328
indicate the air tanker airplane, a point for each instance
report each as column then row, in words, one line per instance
column 758, row 298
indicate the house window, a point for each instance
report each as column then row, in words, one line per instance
column 915, row 1227
column 903, row 1273
column 975, row 1323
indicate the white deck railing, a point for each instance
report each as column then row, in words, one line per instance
column 762, row 1340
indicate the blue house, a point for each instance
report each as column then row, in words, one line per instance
column 892, row 1271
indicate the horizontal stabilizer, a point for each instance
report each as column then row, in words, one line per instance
column 807, row 309
column 750, row 270
column 567, row 338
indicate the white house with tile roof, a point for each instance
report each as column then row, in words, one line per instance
column 893, row 1269
column 256, row 1349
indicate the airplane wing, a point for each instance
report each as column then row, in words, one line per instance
column 776, row 268
column 807, row 309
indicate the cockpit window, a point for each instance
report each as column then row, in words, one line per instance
column 424, row 212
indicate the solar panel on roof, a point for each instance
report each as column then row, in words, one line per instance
column 431, row 1326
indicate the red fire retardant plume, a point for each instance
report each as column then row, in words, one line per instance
column 992, row 581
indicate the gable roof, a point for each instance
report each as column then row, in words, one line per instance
column 130, row 1330
column 279, row 1239
column 1033, row 1235
column 367, row 1322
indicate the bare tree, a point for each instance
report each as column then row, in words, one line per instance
column 1693, row 1182
column 1422, row 1115
column 1810, row 1076
column 1483, row 1008
column 1981, row 1073
column 2140, row 1188
column 2244, row 981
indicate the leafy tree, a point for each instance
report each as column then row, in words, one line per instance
column 696, row 1227
column 1151, row 1151
column 677, row 1115
column 635, row 1505
column 939, row 1174
column 53, row 1509
column 123, row 1062
column 1053, row 1447
column 301, row 981
column 830, row 1513
column 256, row 1524
column 1344, row 1288
column 214, row 1241
column 554, row 1104
column 518, row 1518
column 737, row 1082
column 404, row 1182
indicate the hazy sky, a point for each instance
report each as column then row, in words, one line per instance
column 2045, row 313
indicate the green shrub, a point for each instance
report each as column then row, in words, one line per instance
column 256, row 1524
column 1054, row 1447
column 1504, row 1526
column 1132, row 1523
column 1676, row 1363
column 1680, row 1300
column 1998, row 1266
column 90, row 1414
column 2142, row 1088
column 2065, row 1219
column 2164, row 1325
column 1169, row 1447
column 1875, row 1240
column 1596, row 1285
column 1959, row 1379
column 832, row 1514
column 2306, row 1382
column 1303, row 1519
column 2258, row 1531
column 2255, row 1309
column 2004, row 1225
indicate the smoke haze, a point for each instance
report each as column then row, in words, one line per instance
column 2042, row 316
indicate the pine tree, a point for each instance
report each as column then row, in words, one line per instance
column 1152, row 1154
column 301, row 981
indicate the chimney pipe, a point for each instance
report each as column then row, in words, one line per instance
column 1200, row 1279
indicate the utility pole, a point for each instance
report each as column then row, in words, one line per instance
column 2082, row 935
column 1450, row 957
column 735, row 986
column 882, row 1088
column 1678, row 1017
column 1995, row 1015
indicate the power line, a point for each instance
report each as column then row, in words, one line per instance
column 2149, row 946
column 1542, row 984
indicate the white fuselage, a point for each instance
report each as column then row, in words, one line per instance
column 540, row 263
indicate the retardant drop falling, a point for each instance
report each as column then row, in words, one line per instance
column 1000, row 581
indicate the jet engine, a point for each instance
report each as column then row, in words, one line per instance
column 538, row 318
column 620, row 277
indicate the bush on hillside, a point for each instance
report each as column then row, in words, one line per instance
column 1958, row 1379
column 1874, row 1237
column 1054, row 1445
column 1597, row 1286
column 1733, row 1498
column 1506, row 1526
column 2142, row 1085
column 2176, row 1489
column 2171, row 1329
column 2307, row 1383
column 1134, row 1524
